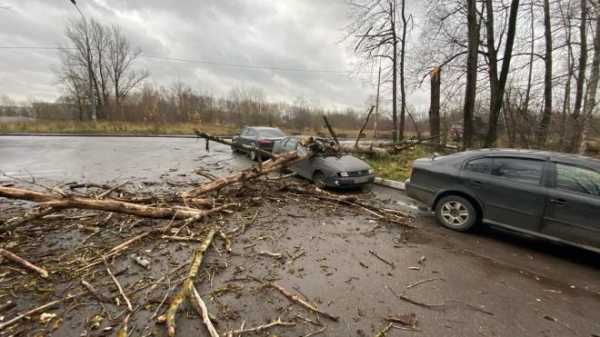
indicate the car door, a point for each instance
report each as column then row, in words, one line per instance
column 249, row 137
column 510, row 189
column 573, row 209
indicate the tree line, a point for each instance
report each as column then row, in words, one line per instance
column 529, row 69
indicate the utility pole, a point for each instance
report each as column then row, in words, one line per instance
column 89, row 61
column 377, row 102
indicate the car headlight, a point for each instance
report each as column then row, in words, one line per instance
column 371, row 171
column 344, row 174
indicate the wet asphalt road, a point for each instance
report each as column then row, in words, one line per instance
column 532, row 287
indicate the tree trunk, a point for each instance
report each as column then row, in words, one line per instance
column 471, row 87
column 592, row 90
column 394, row 72
column 402, row 80
column 576, row 124
column 434, row 111
column 498, row 91
column 547, row 114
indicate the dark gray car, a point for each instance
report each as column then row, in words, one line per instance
column 327, row 170
column 257, row 137
column 546, row 194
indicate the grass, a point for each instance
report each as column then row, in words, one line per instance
column 397, row 166
column 103, row 127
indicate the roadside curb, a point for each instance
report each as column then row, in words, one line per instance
column 397, row 185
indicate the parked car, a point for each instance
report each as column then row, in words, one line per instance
column 546, row 194
column 256, row 136
column 328, row 170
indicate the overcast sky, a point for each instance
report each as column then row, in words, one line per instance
column 293, row 47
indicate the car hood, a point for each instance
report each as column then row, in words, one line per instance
column 345, row 163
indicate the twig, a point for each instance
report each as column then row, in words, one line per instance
column 384, row 330
column 412, row 285
column 112, row 189
column 121, row 291
column 316, row 332
column 36, row 310
column 203, row 312
column 94, row 291
column 391, row 264
column 12, row 224
column 271, row 254
column 297, row 299
column 15, row 258
column 417, row 303
column 260, row 328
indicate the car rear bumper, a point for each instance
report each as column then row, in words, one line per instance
column 349, row 181
column 419, row 193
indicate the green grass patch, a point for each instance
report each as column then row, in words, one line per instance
column 397, row 166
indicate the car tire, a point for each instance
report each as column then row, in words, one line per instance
column 456, row 213
column 234, row 149
column 319, row 179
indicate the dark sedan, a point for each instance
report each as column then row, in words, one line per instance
column 256, row 137
column 546, row 194
column 328, row 170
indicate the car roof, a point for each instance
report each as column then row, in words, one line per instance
column 536, row 154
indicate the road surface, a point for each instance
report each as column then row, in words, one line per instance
column 490, row 282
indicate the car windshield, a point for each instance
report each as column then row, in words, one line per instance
column 270, row 133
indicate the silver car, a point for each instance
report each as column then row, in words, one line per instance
column 328, row 170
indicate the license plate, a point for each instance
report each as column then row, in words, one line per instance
column 361, row 180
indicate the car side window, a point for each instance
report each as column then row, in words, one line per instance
column 481, row 165
column 244, row 132
column 523, row 170
column 251, row 133
column 577, row 179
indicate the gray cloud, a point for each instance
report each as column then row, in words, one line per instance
column 291, row 34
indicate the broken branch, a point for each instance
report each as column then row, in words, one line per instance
column 15, row 258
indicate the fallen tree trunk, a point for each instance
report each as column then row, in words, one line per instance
column 251, row 173
column 56, row 201
column 220, row 140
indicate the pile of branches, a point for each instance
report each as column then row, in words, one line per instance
column 193, row 215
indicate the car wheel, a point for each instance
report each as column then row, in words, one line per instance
column 319, row 179
column 234, row 149
column 252, row 155
column 456, row 213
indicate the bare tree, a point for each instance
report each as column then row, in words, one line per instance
column 374, row 30
column 121, row 57
column 103, row 59
column 498, row 83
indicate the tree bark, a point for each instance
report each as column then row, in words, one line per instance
column 392, row 10
column 592, row 90
column 402, row 77
column 55, row 201
column 576, row 124
column 471, row 87
column 434, row 110
column 547, row 114
column 498, row 90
